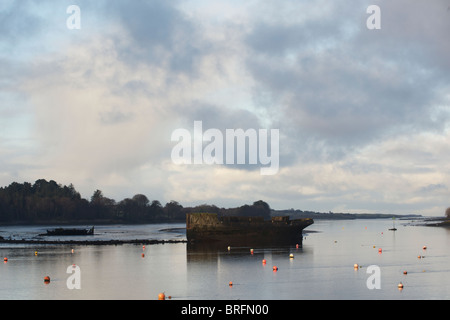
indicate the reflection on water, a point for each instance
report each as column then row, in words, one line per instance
column 215, row 250
column 321, row 269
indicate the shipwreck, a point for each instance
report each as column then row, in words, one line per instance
column 242, row 231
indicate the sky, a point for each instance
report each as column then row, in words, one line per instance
column 362, row 113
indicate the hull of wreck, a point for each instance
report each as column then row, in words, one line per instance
column 242, row 231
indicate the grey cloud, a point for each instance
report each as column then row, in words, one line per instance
column 115, row 117
column 433, row 188
column 340, row 89
column 218, row 116
column 159, row 34
column 16, row 21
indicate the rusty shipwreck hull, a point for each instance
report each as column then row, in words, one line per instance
column 242, row 231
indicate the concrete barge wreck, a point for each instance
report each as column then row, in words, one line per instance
column 244, row 231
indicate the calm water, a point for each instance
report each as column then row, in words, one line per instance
column 322, row 269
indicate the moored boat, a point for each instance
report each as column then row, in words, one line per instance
column 70, row 232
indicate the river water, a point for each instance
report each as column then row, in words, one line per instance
column 323, row 268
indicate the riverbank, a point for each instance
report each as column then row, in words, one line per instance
column 437, row 222
column 89, row 242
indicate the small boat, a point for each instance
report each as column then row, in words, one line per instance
column 393, row 225
column 70, row 232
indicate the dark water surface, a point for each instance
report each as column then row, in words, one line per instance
column 322, row 269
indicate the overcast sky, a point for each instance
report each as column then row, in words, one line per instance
column 363, row 115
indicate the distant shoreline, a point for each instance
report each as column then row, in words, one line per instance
column 298, row 214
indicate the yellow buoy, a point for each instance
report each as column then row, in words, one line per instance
column 400, row 285
column 355, row 266
column 161, row 296
column 291, row 256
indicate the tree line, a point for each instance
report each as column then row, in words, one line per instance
column 47, row 201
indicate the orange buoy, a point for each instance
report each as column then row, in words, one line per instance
column 296, row 246
column 5, row 259
column 251, row 251
column 400, row 285
column 230, row 284
column 405, row 272
column 424, row 248
column 380, row 250
column 161, row 296
column 419, row 257
column 264, row 261
column 275, row 268
column 143, row 255
column 46, row 279
column 355, row 266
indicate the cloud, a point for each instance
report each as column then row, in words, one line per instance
column 340, row 86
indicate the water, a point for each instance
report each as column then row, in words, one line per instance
column 321, row 269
